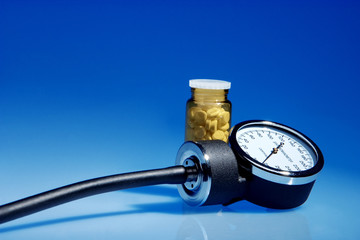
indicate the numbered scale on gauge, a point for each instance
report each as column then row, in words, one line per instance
column 276, row 148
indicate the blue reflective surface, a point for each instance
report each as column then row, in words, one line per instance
column 93, row 88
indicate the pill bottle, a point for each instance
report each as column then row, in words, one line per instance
column 208, row 111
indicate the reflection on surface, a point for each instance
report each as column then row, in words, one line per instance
column 162, row 215
column 237, row 225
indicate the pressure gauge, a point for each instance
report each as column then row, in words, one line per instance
column 279, row 163
column 267, row 163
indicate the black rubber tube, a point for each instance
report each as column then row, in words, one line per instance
column 52, row 198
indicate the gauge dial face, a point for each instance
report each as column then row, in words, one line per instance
column 276, row 148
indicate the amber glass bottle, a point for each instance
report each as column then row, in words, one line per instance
column 208, row 111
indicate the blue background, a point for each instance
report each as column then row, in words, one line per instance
column 93, row 88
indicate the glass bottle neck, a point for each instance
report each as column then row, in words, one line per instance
column 209, row 95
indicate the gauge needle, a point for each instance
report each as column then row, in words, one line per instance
column 274, row 151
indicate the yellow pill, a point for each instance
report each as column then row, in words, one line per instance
column 213, row 125
column 199, row 132
column 225, row 127
column 218, row 135
column 200, row 117
column 226, row 138
column 213, row 112
column 224, row 117
column 207, row 124
column 192, row 112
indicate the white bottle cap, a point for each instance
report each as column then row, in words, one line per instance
column 209, row 84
